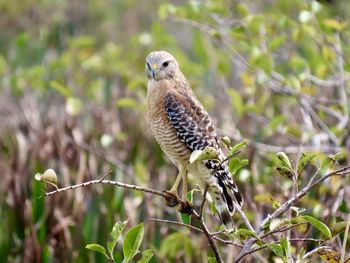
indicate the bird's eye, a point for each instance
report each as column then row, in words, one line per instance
column 148, row 66
column 166, row 63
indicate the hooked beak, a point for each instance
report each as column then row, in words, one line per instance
column 154, row 69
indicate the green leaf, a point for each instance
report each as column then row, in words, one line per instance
column 277, row 42
column 284, row 160
column 175, row 243
column 338, row 228
column 208, row 153
column 330, row 256
column 132, row 242
column 284, row 166
column 235, row 164
column 211, row 260
column 319, row 225
column 243, row 234
column 97, row 248
column 186, row 219
column 195, row 155
column 226, row 141
column 285, row 244
column 276, row 249
column 146, row 256
column 238, row 146
column 285, row 172
column 305, row 160
column 277, row 223
column 116, row 231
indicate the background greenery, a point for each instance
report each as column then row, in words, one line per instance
column 72, row 98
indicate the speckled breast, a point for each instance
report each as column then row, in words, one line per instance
column 166, row 136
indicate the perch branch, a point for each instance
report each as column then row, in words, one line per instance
column 168, row 197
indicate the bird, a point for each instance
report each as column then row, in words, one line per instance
column 181, row 125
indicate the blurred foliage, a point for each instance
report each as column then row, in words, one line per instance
column 72, row 98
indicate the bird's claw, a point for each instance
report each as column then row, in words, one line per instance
column 186, row 207
column 171, row 199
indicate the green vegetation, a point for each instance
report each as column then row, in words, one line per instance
column 274, row 76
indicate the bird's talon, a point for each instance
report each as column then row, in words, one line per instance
column 172, row 199
column 186, row 207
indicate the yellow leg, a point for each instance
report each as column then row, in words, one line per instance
column 173, row 198
column 177, row 181
column 186, row 206
column 184, row 186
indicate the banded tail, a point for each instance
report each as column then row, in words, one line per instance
column 224, row 193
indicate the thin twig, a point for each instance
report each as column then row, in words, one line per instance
column 327, row 83
column 243, row 217
column 111, row 182
column 209, row 237
column 310, row 253
column 174, row 223
column 318, row 120
column 163, row 194
column 107, row 174
column 282, row 229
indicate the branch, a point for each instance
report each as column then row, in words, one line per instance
column 282, row 229
column 327, row 83
column 243, row 217
column 174, row 223
column 209, row 237
column 205, row 230
column 170, row 199
column 286, row 205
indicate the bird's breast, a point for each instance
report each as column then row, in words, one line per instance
column 163, row 130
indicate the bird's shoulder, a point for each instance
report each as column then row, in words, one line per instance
column 190, row 119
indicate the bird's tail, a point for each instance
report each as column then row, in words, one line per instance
column 225, row 193
column 221, row 207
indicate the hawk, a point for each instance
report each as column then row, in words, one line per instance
column 181, row 125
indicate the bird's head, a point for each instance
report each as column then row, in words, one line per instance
column 161, row 65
